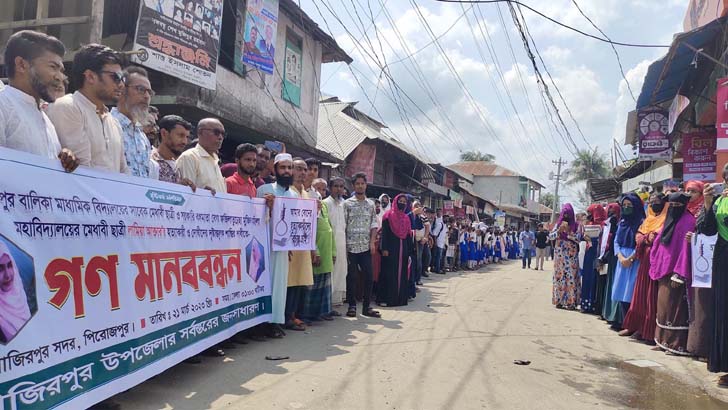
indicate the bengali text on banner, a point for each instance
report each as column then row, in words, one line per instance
column 110, row 280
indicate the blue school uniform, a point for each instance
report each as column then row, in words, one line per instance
column 464, row 254
column 498, row 253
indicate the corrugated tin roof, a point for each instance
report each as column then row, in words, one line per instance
column 482, row 168
column 340, row 134
column 488, row 169
column 544, row 209
column 461, row 174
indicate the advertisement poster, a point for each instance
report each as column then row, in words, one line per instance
column 292, row 74
column 114, row 279
column 699, row 159
column 702, row 258
column 448, row 208
column 654, row 143
column 259, row 40
column 180, row 38
column 721, row 118
column 294, row 224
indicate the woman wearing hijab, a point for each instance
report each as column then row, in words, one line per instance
column 625, row 248
column 640, row 319
column 611, row 310
column 670, row 256
column 397, row 245
column 700, row 334
column 566, row 288
column 596, row 216
column 14, row 310
column 714, row 220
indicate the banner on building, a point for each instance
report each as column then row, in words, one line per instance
column 259, row 40
column 699, row 159
column 653, row 135
column 448, row 208
column 294, row 224
column 678, row 105
column 721, row 117
column 180, row 38
column 116, row 279
column 292, row 71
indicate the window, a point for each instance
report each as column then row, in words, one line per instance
column 292, row 68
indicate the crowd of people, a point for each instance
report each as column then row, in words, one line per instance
column 629, row 262
column 373, row 250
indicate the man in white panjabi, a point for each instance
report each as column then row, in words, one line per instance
column 337, row 218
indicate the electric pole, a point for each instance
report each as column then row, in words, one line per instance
column 557, row 177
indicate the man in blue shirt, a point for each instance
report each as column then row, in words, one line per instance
column 527, row 238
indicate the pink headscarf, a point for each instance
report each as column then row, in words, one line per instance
column 399, row 221
column 14, row 310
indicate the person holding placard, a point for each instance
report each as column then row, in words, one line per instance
column 596, row 217
column 640, row 319
column 670, row 262
column 714, row 220
column 283, row 167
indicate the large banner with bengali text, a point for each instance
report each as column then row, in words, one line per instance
column 180, row 38
column 107, row 280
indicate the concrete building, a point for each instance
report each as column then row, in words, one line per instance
column 360, row 142
column 513, row 193
column 249, row 102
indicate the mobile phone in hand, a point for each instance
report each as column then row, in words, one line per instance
column 718, row 188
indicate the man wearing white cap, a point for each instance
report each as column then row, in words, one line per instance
column 283, row 167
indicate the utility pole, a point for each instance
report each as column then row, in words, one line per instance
column 559, row 163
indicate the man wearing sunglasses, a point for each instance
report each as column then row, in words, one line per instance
column 132, row 109
column 82, row 120
column 200, row 164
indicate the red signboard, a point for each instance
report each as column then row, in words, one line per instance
column 698, row 152
column 448, row 208
column 721, row 117
column 460, row 212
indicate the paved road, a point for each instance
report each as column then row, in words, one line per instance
column 452, row 348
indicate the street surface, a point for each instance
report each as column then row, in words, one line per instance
column 452, row 348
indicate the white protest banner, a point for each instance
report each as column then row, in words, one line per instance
column 702, row 260
column 294, row 224
column 604, row 241
column 117, row 278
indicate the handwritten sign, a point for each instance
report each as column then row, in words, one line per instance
column 702, row 259
column 121, row 278
column 294, row 224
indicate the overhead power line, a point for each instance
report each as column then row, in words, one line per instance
column 605, row 40
column 616, row 54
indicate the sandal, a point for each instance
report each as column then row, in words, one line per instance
column 326, row 317
column 625, row 332
column 723, row 380
column 294, row 326
column 334, row 313
column 371, row 313
column 351, row 312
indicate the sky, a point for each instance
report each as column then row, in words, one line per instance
column 475, row 88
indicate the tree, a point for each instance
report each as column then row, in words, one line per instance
column 476, row 156
column 547, row 199
column 586, row 165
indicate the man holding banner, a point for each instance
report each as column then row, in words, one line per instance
column 283, row 167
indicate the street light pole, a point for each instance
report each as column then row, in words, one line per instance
column 559, row 163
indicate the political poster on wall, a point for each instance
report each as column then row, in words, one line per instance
column 259, row 40
column 180, row 38
column 702, row 248
column 292, row 71
column 109, row 280
column 294, row 224
column 699, row 159
column 653, row 135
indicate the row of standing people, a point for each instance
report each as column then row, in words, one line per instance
column 636, row 273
